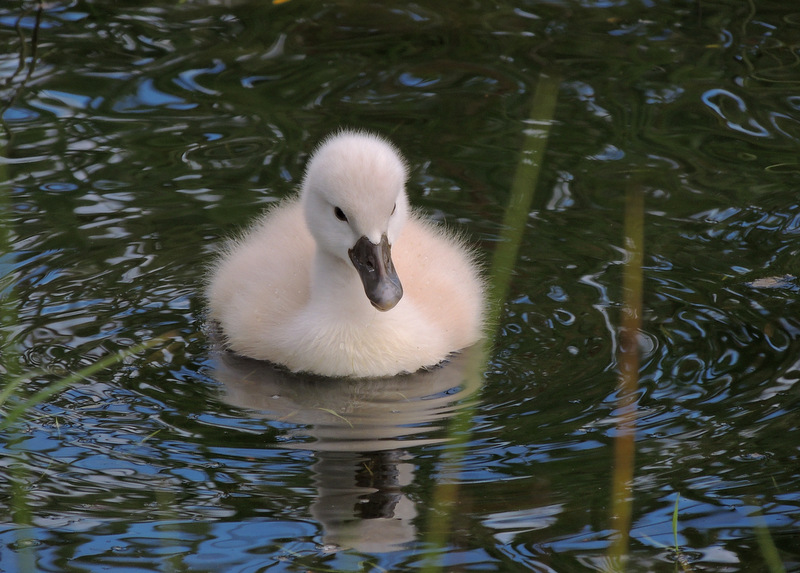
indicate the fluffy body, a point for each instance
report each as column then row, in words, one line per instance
column 286, row 291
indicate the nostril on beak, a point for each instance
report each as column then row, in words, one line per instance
column 374, row 265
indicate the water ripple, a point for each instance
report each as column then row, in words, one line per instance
column 733, row 110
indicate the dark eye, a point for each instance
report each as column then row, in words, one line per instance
column 394, row 209
column 339, row 214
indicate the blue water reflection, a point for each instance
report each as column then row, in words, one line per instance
column 716, row 98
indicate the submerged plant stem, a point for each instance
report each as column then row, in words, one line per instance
column 67, row 381
column 523, row 189
column 766, row 544
column 628, row 360
column 445, row 496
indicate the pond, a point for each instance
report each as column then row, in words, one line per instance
column 628, row 170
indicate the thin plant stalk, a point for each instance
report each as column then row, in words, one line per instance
column 71, row 379
column 21, row 513
column 19, row 505
column 445, row 496
column 627, row 387
column 680, row 557
column 523, row 189
column 766, row 544
column 21, row 516
column 675, row 523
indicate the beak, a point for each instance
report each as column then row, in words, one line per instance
column 374, row 265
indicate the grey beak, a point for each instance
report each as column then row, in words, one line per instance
column 374, row 265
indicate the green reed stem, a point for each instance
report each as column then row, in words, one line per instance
column 766, row 544
column 18, row 504
column 675, row 523
column 523, row 189
column 445, row 496
column 71, row 379
column 628, row 360
column 680, row 557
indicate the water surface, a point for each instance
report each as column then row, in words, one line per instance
column 136, row 138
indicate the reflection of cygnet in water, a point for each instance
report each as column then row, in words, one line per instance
column 360, row 431
column 360, row 502
column 355, row 415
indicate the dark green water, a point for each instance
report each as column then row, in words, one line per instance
column 136, row 137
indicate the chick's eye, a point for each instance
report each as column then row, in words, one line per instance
column 339, row 214
column 394, row 209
